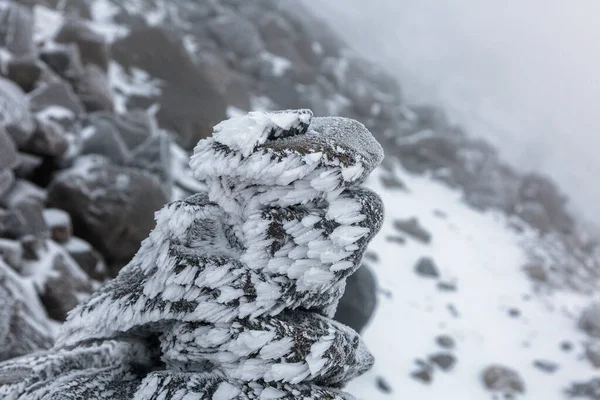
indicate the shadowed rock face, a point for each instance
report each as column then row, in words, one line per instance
column 232, row 294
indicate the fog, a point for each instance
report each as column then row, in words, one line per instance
column 523, row 74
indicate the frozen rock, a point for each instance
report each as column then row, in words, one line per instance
column 57, row 95
column 14, row 112
column 245, row 277
column 48, row 139
column 190, row 105
column 88, row 258
column 64, row 60
column 16, row 28
column 111, row 206
column 26, row 165
column 93, row 49
column 21, row 191
column 59, row 222
column 7, row 178
column 25, row 72
column 23, row 326
column 8, row 151
column 93, row 90
column 12, row 253
column 236, row 34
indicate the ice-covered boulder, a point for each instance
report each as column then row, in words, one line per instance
column 232, row 294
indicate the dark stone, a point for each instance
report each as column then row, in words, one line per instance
column 93, row 49
column 93, row 90
column 15, row 116
column 426, row 267
column 27, row 219
column 22, row 329
column 56, row 94
column 26, row 165
column 592, row 353
column 383, row 385
column 371, row 256
column 391, row 181
column 25, row 72
column 566, row 346
column 589, row 390
column 589, row 321
column 8, row 150
column 548, row 367
column 65, row 285
column 536, row 272
column 445, row 341
column 452, row 310
column 359, row 301
column 422, row 375
column 514, row 312
column 49, row 139
column 7, row 178
column 16, row 29
column 88, row 258
column 440, row 214
column 447, row 286
column 33, row 247
column 412, row 228
column 395, row 239
column 111, row 206
column 236, row 34
column 60, row 225
column 64, row 60
column 190, row 105
column 503, row 379
column 12, row 253
column 445, row 361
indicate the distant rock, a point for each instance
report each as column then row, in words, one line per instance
column 64, row 60
column 190, row 104
column 503, row 379
column 427, row 268
column 111, row 206
column 395, row 239
column 60, row 225
column 93, row 89
column 12, row 253
column 589, row 321
column 16, row 28
column 92, row 47
column 445, row 341
column 360, row 299
column 25, row 72
column 383, row 385
column 49, row 139
column 56, row 95
column 592, row 352
column 413, row 228
column 8, row 151
column 445, row 361
column 236, row 34
column 588, row 390
column 536, row 272
column 15, row 116
column 88, row 258
column 548, row 367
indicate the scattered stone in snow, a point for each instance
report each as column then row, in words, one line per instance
column 445, row 361
column 440, row 214
column 371, row 256
column 383, row 385
column 592, row 352
column 566, row 346
column 453, row 311
column 359, row 302
column 447, row 286
column 589, row 390
column 412, row 228
column 536, row 272
column 503, row 379
column 423, row 375
column 24, row 71
column 514, row 312
column 589, row 321
column 395, row 239
column 445, row 341
column 427, row 268
column 392, row 181
column 546, row 366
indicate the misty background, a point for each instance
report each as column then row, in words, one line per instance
column 523, row 75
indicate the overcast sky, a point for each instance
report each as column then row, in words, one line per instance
column 524, row 74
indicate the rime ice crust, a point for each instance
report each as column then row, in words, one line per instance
column 234, row 288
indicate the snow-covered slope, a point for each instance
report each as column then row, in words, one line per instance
column 495, row 315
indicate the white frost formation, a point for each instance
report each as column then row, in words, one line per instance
column 231, row 296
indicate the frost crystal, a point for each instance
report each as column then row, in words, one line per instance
column 231, row 296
